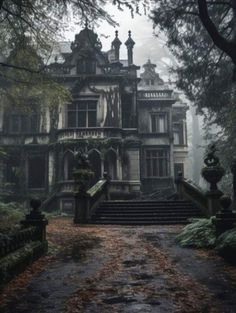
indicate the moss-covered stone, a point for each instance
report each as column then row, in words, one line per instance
column 226, row 245
column 199, row 234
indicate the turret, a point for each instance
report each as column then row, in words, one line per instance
column 116, row 43
column 130, row 44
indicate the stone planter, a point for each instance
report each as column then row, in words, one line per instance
column 213, row 175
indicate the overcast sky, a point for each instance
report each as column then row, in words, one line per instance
column 147, row 45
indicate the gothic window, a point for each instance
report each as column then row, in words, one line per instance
column 95, row 162
column 82, row 114
column 157, row 163
column 178, row 134
column 36, row 171
column 23, row 123
column 110, row 164
column 159, row 123
column 12, row 168
column 69, row 164
column 86, row 66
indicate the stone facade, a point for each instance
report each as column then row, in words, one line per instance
column 162, row 130
column 132, row 128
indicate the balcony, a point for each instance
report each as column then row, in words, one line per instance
column 67, row 186
column 157, row 94
column 88, row 133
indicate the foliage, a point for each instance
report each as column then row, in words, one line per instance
column 226, row 245
column 200, row 234
column 201, row 36
column 11, row 214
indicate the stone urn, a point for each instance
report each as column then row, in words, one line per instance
column 212, row 172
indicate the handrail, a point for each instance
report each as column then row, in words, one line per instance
column 87, row 204
column 186, row 190
column 97, row 187
column 195, row 193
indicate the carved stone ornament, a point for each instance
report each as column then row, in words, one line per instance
column 213, row 172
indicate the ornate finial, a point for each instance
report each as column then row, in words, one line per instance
column 116, row 32
column 129, row 33
column 211, row 159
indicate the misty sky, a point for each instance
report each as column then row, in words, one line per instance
column 147, row 45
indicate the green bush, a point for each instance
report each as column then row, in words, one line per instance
column 199, row 234
column 10, row 213
column 226, row 245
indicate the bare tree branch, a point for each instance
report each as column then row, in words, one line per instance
column 222, row 43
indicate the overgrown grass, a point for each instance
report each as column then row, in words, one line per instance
column 199, row 234
column 10, row 216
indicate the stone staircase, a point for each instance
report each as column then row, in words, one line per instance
column 144, row 212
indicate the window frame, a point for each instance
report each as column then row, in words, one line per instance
column 156, row 129
column 28, row 121
column 43, row 158
column 76, row 111
column 157, row 159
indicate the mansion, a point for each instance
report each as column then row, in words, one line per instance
column 132, row 128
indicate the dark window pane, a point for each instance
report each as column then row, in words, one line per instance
column 92, row 106
column 154, row 129
column 92, row 118
column 71, row 122
column 36, row 172
column 82, row 106
column 72, row 106
column 34, row 123
column 81, row 119
column 15, row 123
column 24, row 121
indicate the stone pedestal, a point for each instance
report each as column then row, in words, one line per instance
column 81, row 208
column 225, row 219
column 213, row 203
column 36, row 218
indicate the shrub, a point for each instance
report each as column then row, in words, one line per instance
column 226, row 245
column 200, row 233
column 10, row 213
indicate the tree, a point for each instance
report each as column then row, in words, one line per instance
column 202, row 36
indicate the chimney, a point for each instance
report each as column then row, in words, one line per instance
column 130, row 44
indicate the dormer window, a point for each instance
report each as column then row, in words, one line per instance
column 86, row 66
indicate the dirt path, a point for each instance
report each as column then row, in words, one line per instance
column 123, row 269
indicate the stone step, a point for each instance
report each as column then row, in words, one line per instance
column 145, row 212
column 140, row 223
column 114, row 214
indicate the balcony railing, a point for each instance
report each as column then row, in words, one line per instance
column 168, row 94
column 84, row 133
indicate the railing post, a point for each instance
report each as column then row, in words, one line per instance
column 225, row 219
column 81, row 208
column 107, row 188
column 179, row 185
column 36, row 218
column 213, row 173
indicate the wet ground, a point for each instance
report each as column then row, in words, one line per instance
column 126, row 269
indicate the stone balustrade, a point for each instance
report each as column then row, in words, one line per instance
column 155, row 94
column 86, row 133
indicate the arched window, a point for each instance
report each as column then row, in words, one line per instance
column 95, row 162
column 69, row 163
column 110, row 163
